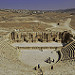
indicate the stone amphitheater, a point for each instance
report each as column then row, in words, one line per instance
column 37, row 43
column 37, row 53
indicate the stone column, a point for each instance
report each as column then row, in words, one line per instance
column 16, row 37
column 10, row 36
column 44, row 37
column 48, row 37
column 19, row 37
column 59, row 40
column 34, row 36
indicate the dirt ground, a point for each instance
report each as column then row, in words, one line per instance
column 35, row 21
column 9, row 61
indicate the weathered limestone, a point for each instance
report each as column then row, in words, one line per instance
column 39, row 36
column 69, row 51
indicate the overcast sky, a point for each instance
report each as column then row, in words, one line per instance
column 37, row 4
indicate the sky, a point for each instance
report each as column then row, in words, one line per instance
column 37, row 4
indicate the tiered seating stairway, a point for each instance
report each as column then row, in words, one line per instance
column 69, row 51
column 7, row 51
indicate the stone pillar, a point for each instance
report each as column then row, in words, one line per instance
column 30, row 37
column 16, row 37
column 44, row 37
column 34, row 35
column 10, row 36
column 57, row 35
column 58, row 39
column 19, row 37
column 49, row 37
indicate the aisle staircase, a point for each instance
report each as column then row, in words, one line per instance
column 69, row 51
column 7, row 51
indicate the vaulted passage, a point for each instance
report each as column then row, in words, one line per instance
column 40, row 40
column 53, row 39
column 59, row 55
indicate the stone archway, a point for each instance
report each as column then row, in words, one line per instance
column 13, row 35
column 40, row 40
column 59, row 55
column 53, row 39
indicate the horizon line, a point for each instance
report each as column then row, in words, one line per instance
column 36, row 9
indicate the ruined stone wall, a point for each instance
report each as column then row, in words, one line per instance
column 35, row 37
column 62, row 37
column 41, row 48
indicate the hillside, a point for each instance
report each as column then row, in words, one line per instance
column 33, row 21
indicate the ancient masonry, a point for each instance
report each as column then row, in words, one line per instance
column 36, row 36
column 68, row 51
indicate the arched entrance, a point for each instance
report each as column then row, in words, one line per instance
column 59, row 55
